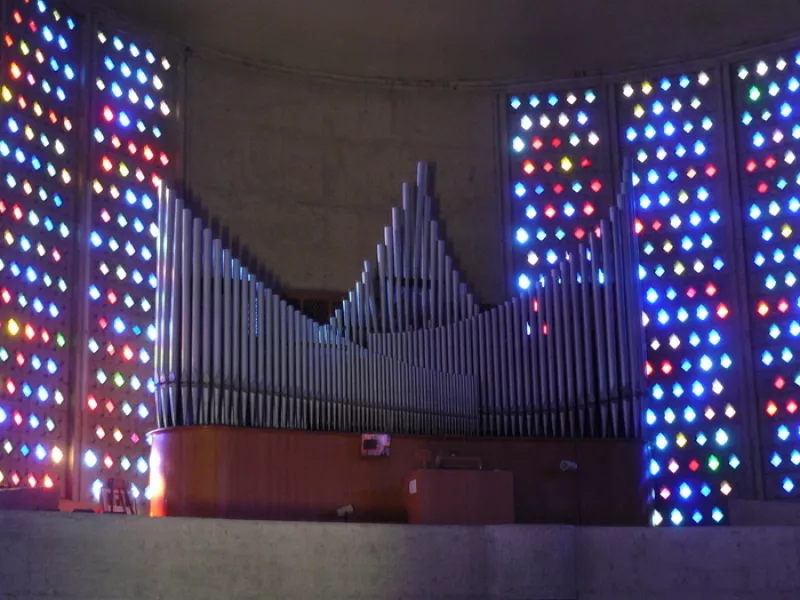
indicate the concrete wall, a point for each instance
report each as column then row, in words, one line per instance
column 304, row 157
column 105, row 557
column 306, row 172
column 452, row 40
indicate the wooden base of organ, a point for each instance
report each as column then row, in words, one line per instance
column 276, row 474
column 459, row 497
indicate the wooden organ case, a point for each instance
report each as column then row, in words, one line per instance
column 260, row 408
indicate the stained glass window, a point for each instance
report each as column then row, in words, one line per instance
column 671, row 128
column 133, row 148
column 40, row 102
column 768, row 141
column 559, row 176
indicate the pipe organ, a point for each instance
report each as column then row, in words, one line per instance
column 409, row 350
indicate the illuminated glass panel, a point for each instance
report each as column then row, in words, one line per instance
column 671, row 130
column 134, row 132
column 37, row 197
column 559, row 176
column 768, row 142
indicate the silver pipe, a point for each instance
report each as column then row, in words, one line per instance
column 518, row 395
column 348, row 391
column 507, row 361
column 381, row 289
column 425, row 264
column 417, row 289
column 158, row 366
column 578, row 325
column 271, row 338
column 494, row 353
column 483, row 372
column 552, row 356
column 588, row 409
column 175, row 321
column 557, row 335
column 299, row 371
column 469, row 359
column 333, row 404
column 195, row 377
column 444, row 404
column 235, row 363
column 381, row 385
column 243, row 368
column 372, row 309
column 204, row 332
column 636, row 331
column 277, row 338
column 611, row 324
column 409, row 223
column 374, row 402
column 322, row 377
column 543, row 358
column 397, row 263
column 461, row 346
column 637, row 343
column 169, row 291
column 448, row 287
column 290, row 356
column 431, row 402
column 527, row 332
column 359, row 315
column 261, row 347
column 315, row 379
column 624, row 386
column 389, row 296
column 253, row 352
column 336, row 397
column 433, row 273
column 501, row 335
column 441, row 283
column 227, row 325
column 626, row 270
column 283, row 350
column 600, row 335
column 568, row 428
column 464, row 310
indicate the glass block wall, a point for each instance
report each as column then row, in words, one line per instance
column 133, row 131
column 766, row 100
column 672, row 130
column 41, row 105
column 560, row 175
column 85, row 136
column 718, row 198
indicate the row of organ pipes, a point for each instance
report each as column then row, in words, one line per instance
column 408, row 351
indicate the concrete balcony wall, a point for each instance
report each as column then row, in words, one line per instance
column 105, row 557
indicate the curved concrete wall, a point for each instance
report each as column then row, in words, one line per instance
column 304, row 167
column 452, row 40
column 306, row 172
column 99, row 557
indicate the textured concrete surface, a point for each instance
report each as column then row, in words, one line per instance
column 106, row 557
column 764, row 512
column 306, row 172
column 468, row 39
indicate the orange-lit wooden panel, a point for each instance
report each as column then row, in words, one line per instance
column 232, row 472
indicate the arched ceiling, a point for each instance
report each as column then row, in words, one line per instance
column 467, row 40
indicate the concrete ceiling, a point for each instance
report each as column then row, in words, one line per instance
column 467, row 40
